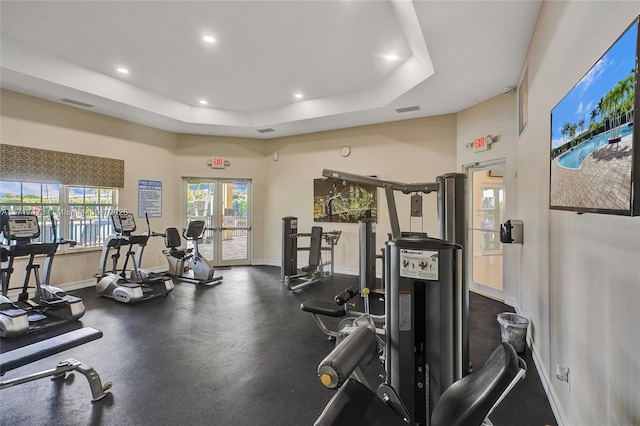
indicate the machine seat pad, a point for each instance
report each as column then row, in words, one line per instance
column 322, row 307
column 44, row 348
column 357, row 405
column 178, row 254
column 469, row 400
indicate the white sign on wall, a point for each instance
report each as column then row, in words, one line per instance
column 149, row 198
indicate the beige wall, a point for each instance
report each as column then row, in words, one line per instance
column 148, row 154
column 580, row 274
column 247, row 159
column 496, row 117
column 577, row 278
column 407, row 151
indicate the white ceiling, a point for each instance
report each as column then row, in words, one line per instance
column 452, row 55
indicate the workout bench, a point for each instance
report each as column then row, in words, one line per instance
column 45, row 348
column 336, row 309
column 339, row 308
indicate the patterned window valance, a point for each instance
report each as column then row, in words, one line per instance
column 19, row 163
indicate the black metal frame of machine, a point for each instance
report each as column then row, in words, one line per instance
column 293, row 278
column 189, row 265
column 49, row 305
column 427, row 329
column 114, row 283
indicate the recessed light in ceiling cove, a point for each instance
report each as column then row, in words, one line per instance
column 123, row 70
column 209, row 39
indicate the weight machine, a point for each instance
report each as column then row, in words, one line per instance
column 293, row 278
column 427, row 302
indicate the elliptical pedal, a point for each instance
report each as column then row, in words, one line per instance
column 36, row 317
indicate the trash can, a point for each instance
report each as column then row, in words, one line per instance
column 513, row 329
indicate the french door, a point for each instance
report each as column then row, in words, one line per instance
column 486, row 213
column 225, row 206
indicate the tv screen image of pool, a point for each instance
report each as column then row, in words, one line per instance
column 595, row 153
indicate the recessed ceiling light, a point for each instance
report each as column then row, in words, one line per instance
column 203, row 102
column 123, row 70
column 209, row 39
column 298, row 95
column 391, row 57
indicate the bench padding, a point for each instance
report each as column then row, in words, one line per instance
column 39, row 350
column 322, row 307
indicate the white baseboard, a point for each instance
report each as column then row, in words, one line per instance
column 347, row 271
column 552, row 397
column 268, row 262
column 265, row 262
column 77, row 285
column 14, row 292
column 510, row 301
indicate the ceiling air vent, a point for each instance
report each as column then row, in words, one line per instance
column 267, row 130
column 407, row 109
column 77, row 103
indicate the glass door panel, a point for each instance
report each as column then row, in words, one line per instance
column 224, row 205
column 201, row 205
column 235, row 229
column 487, row 213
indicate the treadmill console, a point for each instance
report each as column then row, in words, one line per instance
column 123, row 223
column 23, row 226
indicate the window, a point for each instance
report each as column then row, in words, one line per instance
column 82, row 213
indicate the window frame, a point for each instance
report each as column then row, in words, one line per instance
column 64, row 215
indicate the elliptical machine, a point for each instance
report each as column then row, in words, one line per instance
column 49, row 305
column 183, row 261
column 143, row 273
column 115, row 283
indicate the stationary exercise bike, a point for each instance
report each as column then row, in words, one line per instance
column 121, row 284
column 49, row 305
column 188, row 265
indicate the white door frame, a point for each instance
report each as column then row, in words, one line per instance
column 469, row 170
column 215, row 226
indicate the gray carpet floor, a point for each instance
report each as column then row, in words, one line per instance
column 240, row 353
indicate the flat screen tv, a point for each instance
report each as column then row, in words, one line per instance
column 595, row 148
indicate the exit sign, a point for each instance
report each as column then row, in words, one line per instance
column 483, row 143
column 217, row 163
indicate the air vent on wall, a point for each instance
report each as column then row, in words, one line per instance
column 267, row 130
column 407, row 109
column 78, row 103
